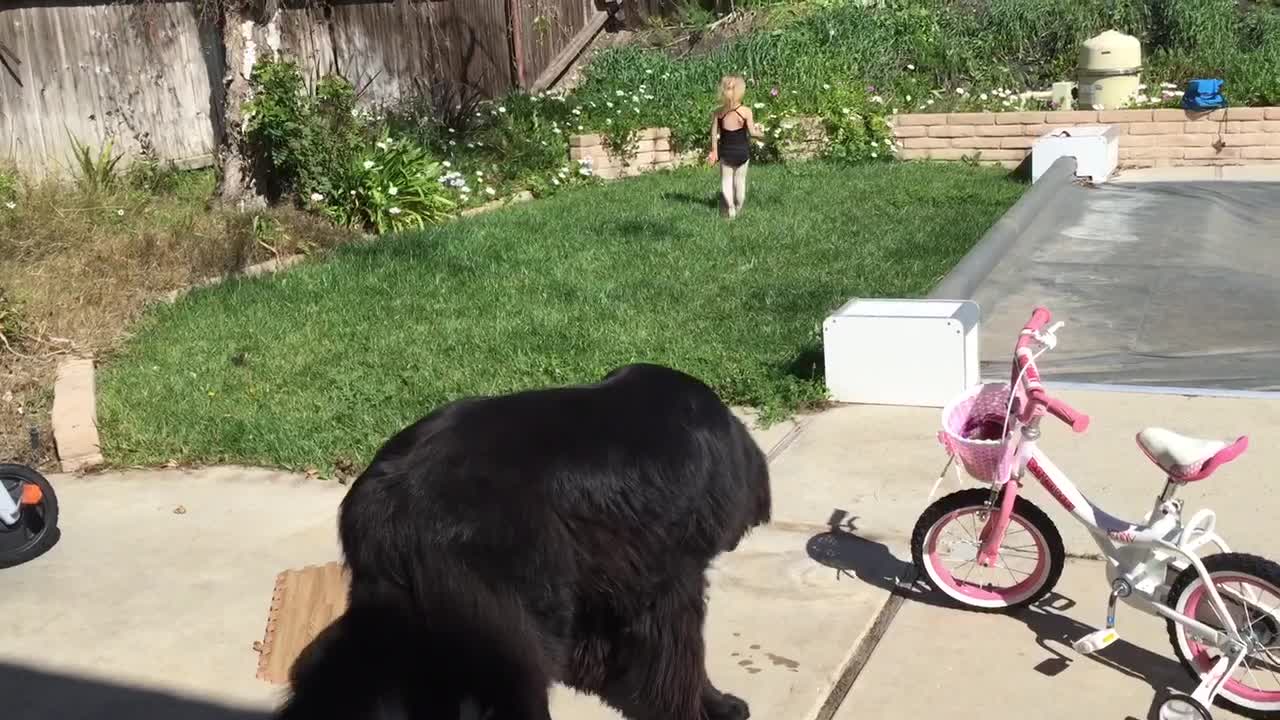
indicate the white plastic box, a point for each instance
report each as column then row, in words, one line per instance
column 1096, row 149
column 901, row 352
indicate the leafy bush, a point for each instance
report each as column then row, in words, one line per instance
column 308, row 137
column 396, row 188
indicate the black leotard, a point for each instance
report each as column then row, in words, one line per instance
column 734, row 145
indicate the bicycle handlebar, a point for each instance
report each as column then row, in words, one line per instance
column 1025, row 367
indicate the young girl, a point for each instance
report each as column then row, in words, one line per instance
column 732, row 127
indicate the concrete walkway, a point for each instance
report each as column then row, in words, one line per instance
column 149, row 607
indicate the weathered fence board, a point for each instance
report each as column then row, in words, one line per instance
column 150, row 73
column 135, row 73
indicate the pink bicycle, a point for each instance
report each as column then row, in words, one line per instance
column 992, row 550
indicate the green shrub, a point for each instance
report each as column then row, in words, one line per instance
column 395, row 188
column 308, row 137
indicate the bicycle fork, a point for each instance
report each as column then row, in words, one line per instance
column 992, row 536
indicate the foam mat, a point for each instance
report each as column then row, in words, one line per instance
column 304, row 602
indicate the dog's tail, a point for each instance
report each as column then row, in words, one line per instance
column 441, row 645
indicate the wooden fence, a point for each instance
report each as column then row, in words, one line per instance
column 150, row 73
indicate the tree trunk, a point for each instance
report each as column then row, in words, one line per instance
column 246, row 35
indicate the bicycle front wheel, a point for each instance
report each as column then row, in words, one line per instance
column 945, row 542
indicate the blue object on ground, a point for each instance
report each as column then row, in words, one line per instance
column 1204, row 95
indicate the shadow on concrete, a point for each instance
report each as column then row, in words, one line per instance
column 842, row 549
column 39, row 695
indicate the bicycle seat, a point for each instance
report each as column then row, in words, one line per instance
column 1187, row 459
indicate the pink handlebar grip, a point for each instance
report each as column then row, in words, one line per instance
column 1078, row 421
column 1039, row 318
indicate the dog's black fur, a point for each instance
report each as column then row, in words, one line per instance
column 503, row 543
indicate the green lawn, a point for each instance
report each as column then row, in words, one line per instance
column 320, row 365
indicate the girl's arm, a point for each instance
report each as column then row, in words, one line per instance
column 754, row 129
column 714, row 154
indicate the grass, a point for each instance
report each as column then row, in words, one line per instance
column 78, row 264
column 317, row 367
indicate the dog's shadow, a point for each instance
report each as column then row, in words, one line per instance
column 850, row 555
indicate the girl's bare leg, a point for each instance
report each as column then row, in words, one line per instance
column 728, row 190
column 740, row 186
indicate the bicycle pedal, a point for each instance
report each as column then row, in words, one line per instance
column 1095, row 641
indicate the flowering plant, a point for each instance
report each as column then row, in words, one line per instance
column 396, row 187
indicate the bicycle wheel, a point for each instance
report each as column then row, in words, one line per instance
column 37, row 528
column 945, row 542
column 1250, row 590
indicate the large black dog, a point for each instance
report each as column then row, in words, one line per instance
column 503, row 543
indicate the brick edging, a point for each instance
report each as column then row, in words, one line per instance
column 75, row 415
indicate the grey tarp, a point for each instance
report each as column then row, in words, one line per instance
column 1167, row 283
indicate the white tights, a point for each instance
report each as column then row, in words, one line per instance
column 733, row 187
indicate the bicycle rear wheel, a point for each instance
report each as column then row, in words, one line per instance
column 1250, row 590
column 945, row 542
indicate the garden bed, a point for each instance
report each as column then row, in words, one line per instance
column 318, row 366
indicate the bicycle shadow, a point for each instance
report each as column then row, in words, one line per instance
column 872, row 562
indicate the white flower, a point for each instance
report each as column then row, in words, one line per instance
column 394, row 210
column 120, row 213
column 908, row 98
column 556, row 130
column 577, row 111
column 609, row 103
column 579, row 127
column 446, row 163
column 983, row 97
column 479, row 174
column 619, row 93
column 382, row 145
column 11, row 205
column 635, row 98
column 960, row 91
column 609, row 121
column 877, row 99
column 584, row 171
column 648, row 72
column 353, row 193
column 929, row 102
column 585, row 162
column 758, row 106
column 317, row 197
column 393, row 191
column 368, row 164
column 502, row 108
column 490, row 191
column 452, row 131
column 453, row 142
column 910, row 66
column 824, row 87
column 874, row 155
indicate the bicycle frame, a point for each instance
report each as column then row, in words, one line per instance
column 1139, row 556
column 9, row 509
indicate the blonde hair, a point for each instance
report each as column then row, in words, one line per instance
column 732, row 88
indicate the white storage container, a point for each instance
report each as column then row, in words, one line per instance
column 901, row 352
column 1096, row 149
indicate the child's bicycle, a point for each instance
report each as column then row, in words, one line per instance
column 28, row 515
column 992, row 550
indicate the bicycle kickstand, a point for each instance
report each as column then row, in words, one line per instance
column 1099, row 639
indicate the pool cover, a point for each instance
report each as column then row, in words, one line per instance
column 1162, row 284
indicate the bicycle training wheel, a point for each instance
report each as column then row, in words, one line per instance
column 945, row 542
column 1250, row 590
column 37, row 528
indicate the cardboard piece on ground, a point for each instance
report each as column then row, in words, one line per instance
column 303, row 603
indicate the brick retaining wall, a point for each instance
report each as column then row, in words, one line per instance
column 651, row 151
column 1148, row 138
